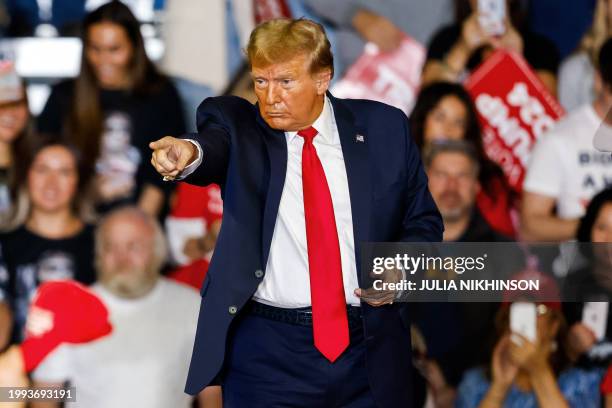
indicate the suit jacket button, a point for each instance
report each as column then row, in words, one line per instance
column 259, row 273
column 233, row 309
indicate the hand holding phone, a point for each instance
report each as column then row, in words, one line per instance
column 523, row 320
column 492, row 16
column 595, row 317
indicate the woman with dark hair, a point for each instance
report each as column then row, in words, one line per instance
column 443, row 111
column 525, row 373
column 113, row 109
column 458, row 48
column 53, row 243
column 15, row 137
column 593, row 224
column 591, row 282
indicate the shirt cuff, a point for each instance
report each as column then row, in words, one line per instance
column 193, row 166
column 401, row 293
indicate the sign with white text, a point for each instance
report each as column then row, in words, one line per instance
column 389, row 77
column 515, row 109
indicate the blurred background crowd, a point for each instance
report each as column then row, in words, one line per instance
column 86, row 85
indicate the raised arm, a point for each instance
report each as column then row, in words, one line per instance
column 171, row 155
column 198, row 158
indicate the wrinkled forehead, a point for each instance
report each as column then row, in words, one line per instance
column 457, row 162
column 294, row 66
column 127, row 228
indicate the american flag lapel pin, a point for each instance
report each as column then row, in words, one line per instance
column 360, row 138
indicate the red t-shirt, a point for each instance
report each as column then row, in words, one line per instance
column 495, row 205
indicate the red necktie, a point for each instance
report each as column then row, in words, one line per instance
column 329, row 320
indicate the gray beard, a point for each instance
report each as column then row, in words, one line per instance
column 454, row 215
column 132, row 289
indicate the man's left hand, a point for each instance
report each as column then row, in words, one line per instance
column 375, row 297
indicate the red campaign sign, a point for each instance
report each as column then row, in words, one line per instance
column 270, row 9
column 193, row 211
column 392, row 77
column 515, row 109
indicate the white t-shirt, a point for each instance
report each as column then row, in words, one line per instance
column 143, row 362
column 565, row 165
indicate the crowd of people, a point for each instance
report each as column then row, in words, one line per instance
column 80, row 200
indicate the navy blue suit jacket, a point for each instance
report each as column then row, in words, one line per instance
column 390, row 201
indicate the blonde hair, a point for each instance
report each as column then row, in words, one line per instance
column 280, row 40
column 598, row 33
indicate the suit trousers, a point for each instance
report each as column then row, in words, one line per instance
column 275, row 364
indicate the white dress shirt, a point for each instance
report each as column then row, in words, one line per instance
column 287, row 280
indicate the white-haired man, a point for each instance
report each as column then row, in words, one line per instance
column 144, row 362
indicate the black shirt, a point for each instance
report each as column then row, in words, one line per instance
column 581, row 286
column 478, row 230
column 131, row 122
column 459, row 335
column 6, row 201
column 30, row 259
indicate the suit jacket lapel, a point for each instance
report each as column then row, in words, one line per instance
column 356, row 160
column 276, row 147
column 355, row 152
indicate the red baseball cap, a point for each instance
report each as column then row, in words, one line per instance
column 79, row 316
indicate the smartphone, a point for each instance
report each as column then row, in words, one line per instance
column 491, row 16
column 10, row 84
column 523, row 320
column 595, row 317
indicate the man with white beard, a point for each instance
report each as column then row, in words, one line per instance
column 144, row 361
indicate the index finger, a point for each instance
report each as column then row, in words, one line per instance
column 161, row 143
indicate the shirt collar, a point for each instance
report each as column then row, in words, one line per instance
column 323, row 124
